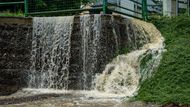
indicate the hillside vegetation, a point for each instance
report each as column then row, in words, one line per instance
column 171, row 82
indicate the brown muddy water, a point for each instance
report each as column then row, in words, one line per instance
column 71, row 98
column 61, row 98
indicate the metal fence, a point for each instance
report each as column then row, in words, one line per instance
column 38, row 7
column 155, row 9
column 132, row 8
column 12, row 3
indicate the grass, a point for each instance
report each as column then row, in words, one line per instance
column 171, row 82
column 8, row 13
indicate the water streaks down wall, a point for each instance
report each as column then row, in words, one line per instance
column 81, row 53
column 50, row 52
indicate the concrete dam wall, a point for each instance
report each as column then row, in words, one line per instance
column 15, row 49
column 72, row 52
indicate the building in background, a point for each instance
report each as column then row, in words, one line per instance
column 175, row 7
column 170, row 7
column 130, row 7
column 161, row 7
column 183, row 6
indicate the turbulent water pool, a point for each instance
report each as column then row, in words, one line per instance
column 61, row 98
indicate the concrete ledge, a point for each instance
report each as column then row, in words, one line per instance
column 16, row 20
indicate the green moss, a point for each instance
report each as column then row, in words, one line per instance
column 145, row 58
column 171, row 82
column 124, row 50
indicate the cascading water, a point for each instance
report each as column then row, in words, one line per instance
column 124, row 74
column 51, row 49
column 50, row 52
column 90, row 48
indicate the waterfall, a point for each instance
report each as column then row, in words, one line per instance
column 124, row 74
column 90, row 47
column 52, row 48
column 50, row 52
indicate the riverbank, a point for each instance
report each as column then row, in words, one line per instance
column 170, row 84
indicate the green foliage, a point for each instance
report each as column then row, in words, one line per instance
column 85, row 1
column 144, row 63
column 57, row 6
column 145, row 59
column 8, row 13
column 12, row 8
column 171, row 83
column 53, row 5
column 40, row 4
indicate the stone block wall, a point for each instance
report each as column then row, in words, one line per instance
column 15, row 47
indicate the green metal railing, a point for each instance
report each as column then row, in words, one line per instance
column 25, row 7
column 144, row 10
column 63, row 7
column 52, row 6
column 10, row 3
column 105, row 6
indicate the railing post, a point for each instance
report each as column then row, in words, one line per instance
column 144, row 10
column 104, row 6
column 25, row 8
